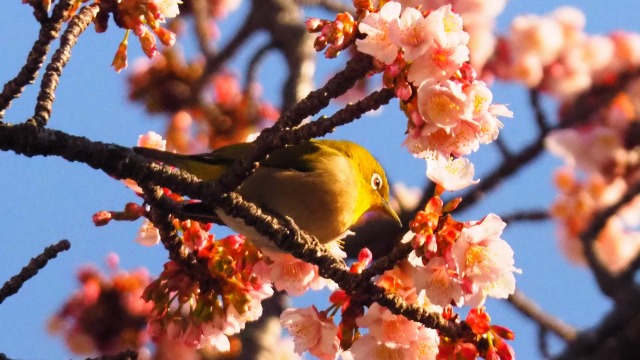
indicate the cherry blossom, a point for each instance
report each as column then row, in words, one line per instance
column 450, row 174
column 443, row 105
column 412, row 32
column 439, row 283
column 311, row 332
column 484, row 261
column 376, row 25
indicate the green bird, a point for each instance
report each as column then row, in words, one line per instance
column 325, row 186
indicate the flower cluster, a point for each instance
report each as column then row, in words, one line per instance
column 479, row 22
column 143, row 17
column 200, row 313
column 293, row 275
column 602, row 157
column 484, row 339
column 553, row 53
column 425, row 58
column 106, row 315
column 459, row 263
column 393, row 336
column 335, row 36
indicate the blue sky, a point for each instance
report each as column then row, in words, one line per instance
column 48, row 199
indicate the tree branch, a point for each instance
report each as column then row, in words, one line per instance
column 546, row 321
column 13, row 285
column 76, row 26
column 48, row 32
column 122, row 163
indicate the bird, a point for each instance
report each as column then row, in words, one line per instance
column 324, row 186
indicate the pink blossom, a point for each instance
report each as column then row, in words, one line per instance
column 425, row 347
column 540, row 36
column 387, row 327
column 449, row 31
column 439, row 283
column 484, row 261
column 152, row 140
column 412, row 32
column 287, row 273
column 489, row 124
column 451, row 174
column 616, row 246
column 590, row 149
column 376, row 26
column 422, row 346
column 215, row 338
column 168, row 8
column 311, row 332
column 222, row 8
column 439, row 62
column 368, row 347
column 443, row 104
column 148, row 235
column 528, row 68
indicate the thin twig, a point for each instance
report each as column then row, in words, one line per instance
column 48, row 32
column 504, row 170
column 125, row 355
column 502, row 147
column 549, row 322
column 256, row 59
column 543, row 344
column 39, row 12
column 329, row 5
column 215, row 61
column 526, row 215
column 273, row 138
column 14, row 284
column 200, row 9
column 541, row 118
column 615, row 338
column 401, row 251
column 76, row 26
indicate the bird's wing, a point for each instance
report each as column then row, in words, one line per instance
column 302, row 157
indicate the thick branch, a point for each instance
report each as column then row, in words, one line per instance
column 123, row 163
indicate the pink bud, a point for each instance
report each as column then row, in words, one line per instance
column 403, row 90
column 101, row 218
column 167, row 38
column 431, row 245
column 314, row 24
column 120, row 58
column 148, row 42
column 365, row 256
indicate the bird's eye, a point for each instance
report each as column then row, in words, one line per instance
column 376, row 181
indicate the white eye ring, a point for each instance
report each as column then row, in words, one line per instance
column 376, row 181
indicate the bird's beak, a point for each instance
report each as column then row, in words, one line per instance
column 389, row 211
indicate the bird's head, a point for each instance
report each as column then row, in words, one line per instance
column 373, row 187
